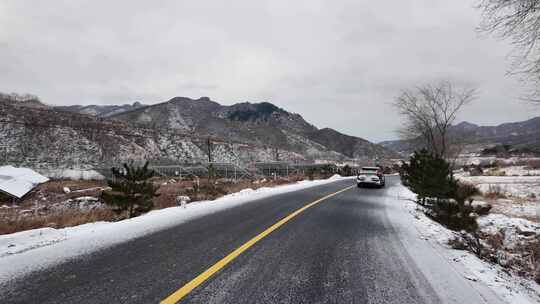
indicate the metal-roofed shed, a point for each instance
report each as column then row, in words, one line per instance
column 17, row 182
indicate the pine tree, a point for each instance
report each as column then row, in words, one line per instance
column 131, row 189
column 428, row 176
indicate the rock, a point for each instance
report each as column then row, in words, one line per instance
column 51, row 225
column 26, row 212
column 83, row 202
column 182, row 200
column 67, row 190
column 525, row 232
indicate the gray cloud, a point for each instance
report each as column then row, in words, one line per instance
column 338, row 63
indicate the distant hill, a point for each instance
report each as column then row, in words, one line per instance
column 22, row 100
column 176, row 130
column 100, row 110
column 518, row 137
column 258, row 123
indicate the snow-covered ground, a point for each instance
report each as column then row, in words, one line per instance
column 518, row 186
column 476, row 159
column 528, row 209
column 73, row 174
column 520, row 171
column 509, row 287
column 30, row 250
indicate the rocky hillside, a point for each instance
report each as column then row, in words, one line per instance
column 100, row 110
column 47, row 138
column 256, row 123
column 520, row 137
column 172, row 131
column 350, row 146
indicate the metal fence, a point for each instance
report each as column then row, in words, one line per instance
column 232, row 170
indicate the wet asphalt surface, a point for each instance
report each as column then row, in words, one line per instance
column 343, row 250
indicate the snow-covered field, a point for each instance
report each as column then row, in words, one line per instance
column 528, row 209
column 518, row 186
column 30, row 250
column 517, row 193
column 476, row 159
column 507, row 286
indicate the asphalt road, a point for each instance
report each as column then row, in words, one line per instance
column 342, row 250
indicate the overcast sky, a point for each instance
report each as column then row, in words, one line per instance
column 337, row 63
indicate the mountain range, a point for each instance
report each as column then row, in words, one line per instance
column 515, row 137
column 176, row 130
column 100, row 110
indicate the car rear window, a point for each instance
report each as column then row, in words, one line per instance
column 368, row 173
column 370, row 169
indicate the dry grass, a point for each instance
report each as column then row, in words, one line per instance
column 535, row 259
column 53, row 192
column 518, row 207
column 57, row 186
column 494, row 192
column 62, row 219
column 169, row 190
column 533, row 164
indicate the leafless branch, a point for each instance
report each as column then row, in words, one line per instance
column 519, row 22
column 429, row 112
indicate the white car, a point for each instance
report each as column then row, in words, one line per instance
column 370, row 176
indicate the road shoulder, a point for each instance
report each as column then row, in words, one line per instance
column 448, row 278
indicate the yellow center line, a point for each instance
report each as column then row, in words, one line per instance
column 186, row 289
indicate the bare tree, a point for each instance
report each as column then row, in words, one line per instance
column 519, row 22
column 429, row 112
column 15, row 97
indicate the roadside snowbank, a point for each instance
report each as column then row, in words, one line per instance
column 510, row 288
column 31, row 250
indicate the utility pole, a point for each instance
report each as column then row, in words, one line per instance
column 209, row 149
column 210, row 165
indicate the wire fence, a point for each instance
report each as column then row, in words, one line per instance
column 232, row 170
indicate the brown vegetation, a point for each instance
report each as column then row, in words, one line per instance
column 494, row 192
column 533, row 164
column 204, row 190
column 13, row 220
column 60, row 219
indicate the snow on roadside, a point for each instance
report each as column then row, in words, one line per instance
column 31, row 250
column 511, row 288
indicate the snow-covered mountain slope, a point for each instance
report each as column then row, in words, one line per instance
column 256, row 123
column 522, row 137
column 100, row 110
column 47, row 137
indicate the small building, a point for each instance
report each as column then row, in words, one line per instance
column 17, row 182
